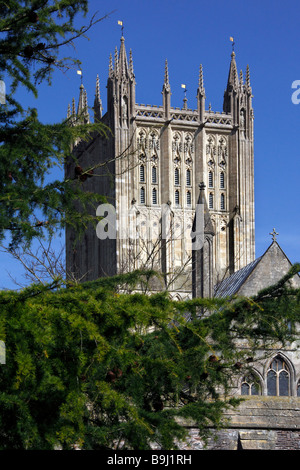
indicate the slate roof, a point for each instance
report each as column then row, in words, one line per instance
column 230, row 285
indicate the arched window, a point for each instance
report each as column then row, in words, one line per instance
column 222, row 180
column 142, row 195
column 211, row 200
column 188, row 198
column 222, row 202
column 176, row 177
column 210, row 179
column 154, row 196
column 142, row 174
column 154, row 175
column 250, row 386
column 177, row 197
column 188, row 177
column 278, row 378
column 298, row 388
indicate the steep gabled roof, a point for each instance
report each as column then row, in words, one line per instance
column 230, row 285
column 269, row 268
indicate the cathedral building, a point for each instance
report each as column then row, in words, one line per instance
column 179, row 185
column 150, row 170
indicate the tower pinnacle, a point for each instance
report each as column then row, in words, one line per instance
column 166, row 86
column 97, row 102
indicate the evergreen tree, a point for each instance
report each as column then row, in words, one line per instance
column 98, row 367
column 32, row 34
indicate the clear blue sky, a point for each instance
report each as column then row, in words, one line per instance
column 189, row 33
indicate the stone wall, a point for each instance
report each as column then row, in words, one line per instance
column 259, row 423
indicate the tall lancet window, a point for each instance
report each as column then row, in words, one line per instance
column 154, row 196
column 222, row 180
column 210, row 179
column 142, row 195
column 154, row 175
column 177, row 197
column 278, row 378
column 222, row 202
column 188, row 177
column 176, row 177
column 211, row 201
column 142, row 174
column 188, row 199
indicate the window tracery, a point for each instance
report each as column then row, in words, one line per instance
column 278, row 378
column 250, row 385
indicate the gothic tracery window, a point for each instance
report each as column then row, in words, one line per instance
column 177, row 197
column 210, row 179
column 278, row 378
column 250, row 386
column 211, row 200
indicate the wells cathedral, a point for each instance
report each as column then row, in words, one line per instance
column 166, row 171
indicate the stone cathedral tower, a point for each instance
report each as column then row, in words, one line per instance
column 158, row 163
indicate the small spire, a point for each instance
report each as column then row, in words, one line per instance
column 248, row 86
column 97, row 93
column 166, row 86
column 116, row 61
column 241, row 78
column 85, row 99
column 82, row 109
column 110, row 66
column 208, row 226
column 123, row 58
column 131, row 63
column 233, row 75
column 201, row 82
column 80, row 106
column 166, row 73
column 69, row 111
column 97, row 101
column 73, row 107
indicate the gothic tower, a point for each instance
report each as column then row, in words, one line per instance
column 153, row 163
